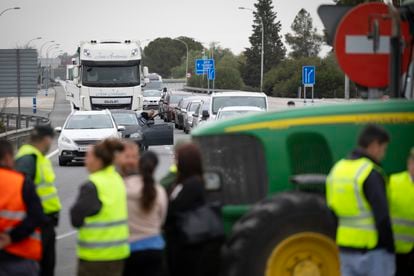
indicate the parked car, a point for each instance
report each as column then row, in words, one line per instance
column 169, row 104
column 201, row 114
column 142, row 130
column 236, row 98
column 188, row 115
column 82, row 129
column 181, row 109
column 234, row 111
column 151, row 99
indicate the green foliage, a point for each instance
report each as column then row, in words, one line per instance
column 228, row 78
column 274, row 50
column 305, row 41
column 163, row 54
column 284, row 80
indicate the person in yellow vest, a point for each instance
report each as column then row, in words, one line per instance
column 20, row 216
column 401, row 200
column 32, row 161
column 100, row 214
column 356, row 193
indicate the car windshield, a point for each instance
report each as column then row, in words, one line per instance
column 174, row 99
column 152, row 93
column 220, row 102
column 233, row 113
column 156, row 85
column 116, row 76
column 96, row 121
column 125, row 119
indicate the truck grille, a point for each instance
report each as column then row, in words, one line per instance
column 240, row 161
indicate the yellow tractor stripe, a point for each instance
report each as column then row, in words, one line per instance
column 384, row 118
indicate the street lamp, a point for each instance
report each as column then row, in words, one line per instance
column 9, row 9
column 186, row 66
column 43, row 45
column 53, row 46
column 36, row 38
column 262, row 57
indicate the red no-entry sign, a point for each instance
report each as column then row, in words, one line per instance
column 355, row 46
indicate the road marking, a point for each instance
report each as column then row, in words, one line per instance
column 66, row 235
column 50, row 155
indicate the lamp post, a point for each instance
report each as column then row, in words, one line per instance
column 36, row 38
column 50, row 48
column 9, row 9
column 262, row 57
column 186, row 66
column 43, row 45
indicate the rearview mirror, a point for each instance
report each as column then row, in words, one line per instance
column 145, row 71
column 121, row 128
column 75, row 72
column 58, row 129
column 205, row 114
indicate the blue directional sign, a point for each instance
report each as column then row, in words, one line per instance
column 202, row 66
column 308, row 75
column 212, row 74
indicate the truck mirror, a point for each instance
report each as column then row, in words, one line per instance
column 146, row 80
column 75, row 72
column 145, row 71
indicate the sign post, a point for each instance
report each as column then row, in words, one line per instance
column 206, row 67
column 308, row 79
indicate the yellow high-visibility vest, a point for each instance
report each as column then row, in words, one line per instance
column 44, row 179
column 104, row 236
column 345, row 196
column 401, row 199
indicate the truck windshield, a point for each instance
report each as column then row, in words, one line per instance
column 116, row 76
column 96, row 121
column 220, row 102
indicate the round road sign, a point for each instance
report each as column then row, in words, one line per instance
column 364, row 59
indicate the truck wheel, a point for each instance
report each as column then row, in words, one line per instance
column 291, row 233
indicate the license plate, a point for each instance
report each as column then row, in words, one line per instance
column 83, row 149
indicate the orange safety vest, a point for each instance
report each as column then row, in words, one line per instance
column 12, row 212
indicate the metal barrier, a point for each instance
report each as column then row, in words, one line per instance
column 204, row 90
column 11, row 121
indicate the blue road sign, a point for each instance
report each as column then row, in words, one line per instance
column 308, row 75
column 203, row 66
column 212, row 74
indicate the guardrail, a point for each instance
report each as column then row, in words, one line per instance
column 11, row 122
column 204, row 90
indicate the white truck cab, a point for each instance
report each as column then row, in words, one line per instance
column 107, row 75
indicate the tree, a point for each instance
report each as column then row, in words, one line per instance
column 163, row 54
column 274, row 50
column 305, row 41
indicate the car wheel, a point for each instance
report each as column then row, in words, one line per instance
column 62, row 162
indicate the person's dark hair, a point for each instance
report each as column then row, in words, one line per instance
column 107, row 149
column 40, row 132
column 6, row 148
column 189, row 162
column 373, row 133
column 147, row 165
column 290, row 103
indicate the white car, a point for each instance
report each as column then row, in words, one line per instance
column 234, row 111
column 82, row 129
column 236, row 98
column 151, row 99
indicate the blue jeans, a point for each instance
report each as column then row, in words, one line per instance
column 377, row 262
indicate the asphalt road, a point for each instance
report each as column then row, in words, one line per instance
column 68, row 180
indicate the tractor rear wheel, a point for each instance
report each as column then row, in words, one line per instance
column 291, row 233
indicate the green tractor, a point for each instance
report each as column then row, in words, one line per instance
column 268, row 171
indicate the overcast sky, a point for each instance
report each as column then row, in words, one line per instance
column 70, row 21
